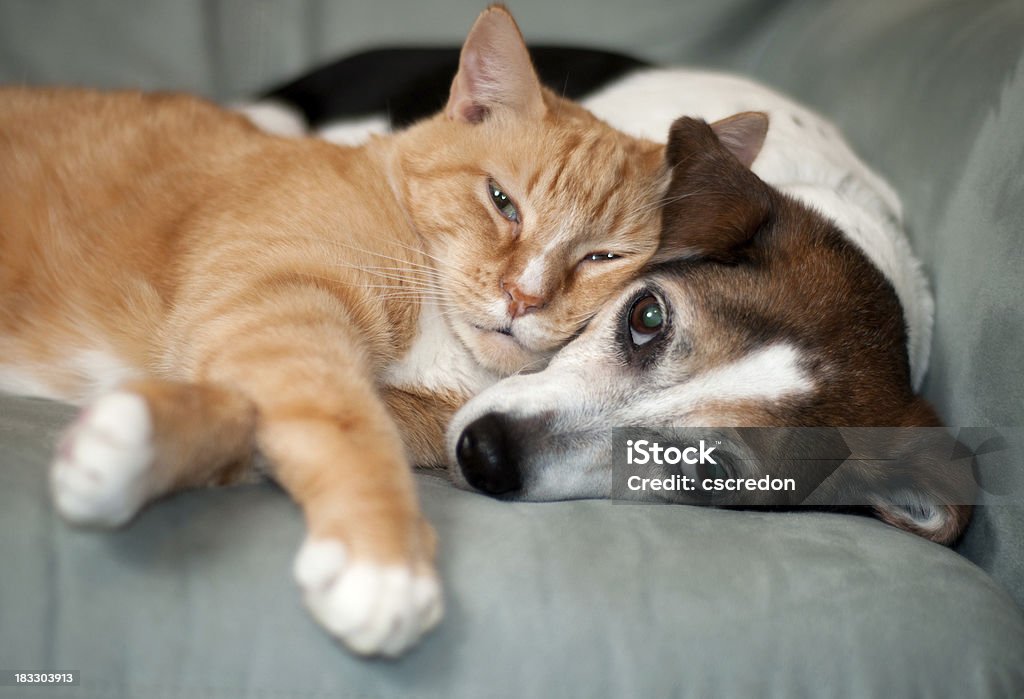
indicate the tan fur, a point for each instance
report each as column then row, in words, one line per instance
column 219, row 426
column 256, row 289
column 195, row 248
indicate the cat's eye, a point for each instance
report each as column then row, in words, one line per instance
column 600, row 256
column 645, row 319
column 502, row 202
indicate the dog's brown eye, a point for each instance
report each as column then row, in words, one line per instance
column 645, row 320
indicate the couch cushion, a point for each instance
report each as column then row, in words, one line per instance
column 588, row 598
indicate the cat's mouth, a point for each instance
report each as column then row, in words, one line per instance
column 506, row 331
column 499, row 349
column 502, row 337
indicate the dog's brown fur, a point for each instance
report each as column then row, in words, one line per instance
column 758, row 267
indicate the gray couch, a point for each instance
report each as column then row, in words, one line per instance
column 583, row 598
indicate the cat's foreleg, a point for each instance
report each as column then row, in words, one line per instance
column 366, row 568
column 147, row 439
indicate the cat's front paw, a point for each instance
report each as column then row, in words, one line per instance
column 99, row 475
column 374, row 609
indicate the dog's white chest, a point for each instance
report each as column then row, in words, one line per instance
column 437, row 360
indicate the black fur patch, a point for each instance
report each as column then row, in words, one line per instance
column 409, row 84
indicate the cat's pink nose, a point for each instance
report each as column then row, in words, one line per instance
column 519, row 303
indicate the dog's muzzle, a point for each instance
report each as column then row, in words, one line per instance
column 486, row 453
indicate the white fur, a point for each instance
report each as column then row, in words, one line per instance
column 374, row 609
column 497, row 310
column 23, row 380
column 531, row 280
column 274, row 117
column 98, row 372
column 437, row 360
column 353, row 133
column 803, row 155
column 768, row 374
column 82, row 376
column 568, row 387
column 283, row 120
column 98, row 477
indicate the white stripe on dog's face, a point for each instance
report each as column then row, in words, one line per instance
column 767, row 374
column 564, row 416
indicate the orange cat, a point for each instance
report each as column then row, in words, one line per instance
column 215, row 291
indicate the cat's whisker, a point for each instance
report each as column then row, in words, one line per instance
column 404, row 262
column 408, row 269
column 381, row 281
column 661, row 201
column 412, row 294
column 410, row 279
column 421, row 252
column 410, row 290
column 580, row 320
column 394, row 259
column 536, row 363
column 426, row 273
column 405, row 280
column 406, row 265
column 408, row 293
column 415, row 298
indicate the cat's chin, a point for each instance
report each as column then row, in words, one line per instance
column 501, row 352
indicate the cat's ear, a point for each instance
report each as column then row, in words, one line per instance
column 495, row 72
column 742, row 134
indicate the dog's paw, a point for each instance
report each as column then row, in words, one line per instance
column 374, row 609
column 99, row 475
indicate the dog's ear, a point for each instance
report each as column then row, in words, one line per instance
column 742, row 135
column 918, row 511
column 921, row 479
column 931, row 494
column 495, row 72
column 714, row 204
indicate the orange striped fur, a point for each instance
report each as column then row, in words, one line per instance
column 262, row 293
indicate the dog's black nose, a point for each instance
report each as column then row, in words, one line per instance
column 487, row 457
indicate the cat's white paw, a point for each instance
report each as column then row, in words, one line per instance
column 374, row 609
column 99, row 475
